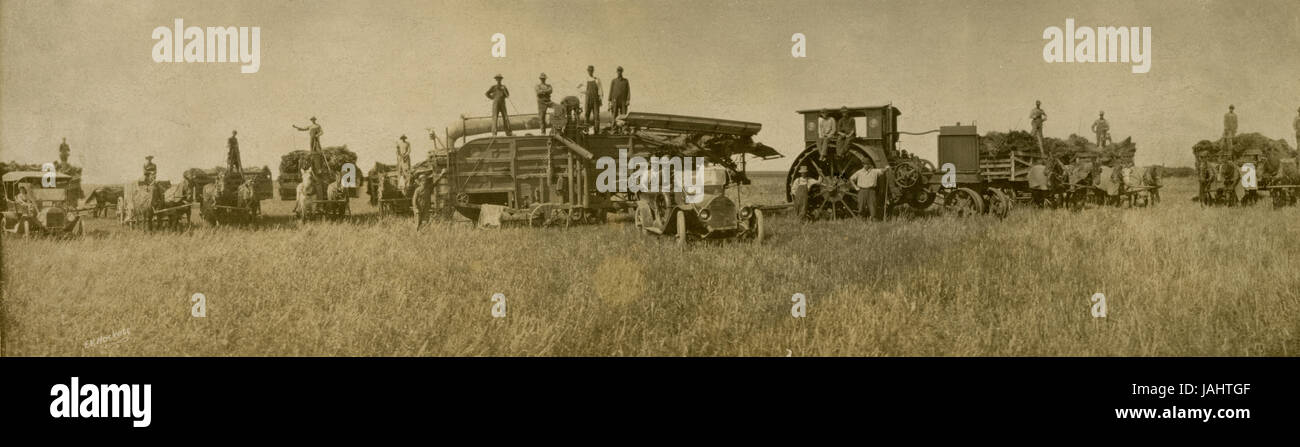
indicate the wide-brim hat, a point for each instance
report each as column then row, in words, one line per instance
column 542, row 76
column 498, row 76
column 148, row 157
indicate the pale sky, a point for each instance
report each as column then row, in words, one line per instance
column 372, row 71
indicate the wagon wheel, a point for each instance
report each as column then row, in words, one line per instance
column 756, row 226
column 906, row 175
column 963, row 202
column 999, row 203
column 922, row 199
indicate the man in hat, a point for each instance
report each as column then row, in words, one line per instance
column 150, row 169
column 620, row 94
column 403, row 163
column 314, row 131
column 498, row 94
column 1102, row 129
column 1230, row 126
column 593, row 91
column 64, row 151
column 1036, row 118
column 422, row 199
column 799, row 187
column 232, row 154
column 846, row 129
column 825, row 130
column 543, row 100
column 22, row 202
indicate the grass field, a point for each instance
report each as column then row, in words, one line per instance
column 1178, row 280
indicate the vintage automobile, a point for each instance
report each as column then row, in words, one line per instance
column 704, row 212
column 47, row 212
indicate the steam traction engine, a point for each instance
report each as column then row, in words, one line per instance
column 876, row 144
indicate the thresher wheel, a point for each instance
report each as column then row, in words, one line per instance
column 832, row 197
column 964, row 202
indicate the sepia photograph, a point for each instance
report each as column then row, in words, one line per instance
column 662, row 178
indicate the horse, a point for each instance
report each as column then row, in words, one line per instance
column 103, row 197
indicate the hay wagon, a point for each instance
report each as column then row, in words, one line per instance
column 157, row 205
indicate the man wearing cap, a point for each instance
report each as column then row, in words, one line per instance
column 232, row 154
column 1102, row 129
column 799, row 187
column 620, row 94
column 593, row 91
column 314, row 131
column 150, row 170
column 543, row 100
column 403, row 163
column 825, row 130
column 846, row 129
column 1230, row 126
column 498, row 94
column 864, row 181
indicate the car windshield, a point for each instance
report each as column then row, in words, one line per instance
column 49, row 194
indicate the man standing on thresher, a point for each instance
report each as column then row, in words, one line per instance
column 544, row 91
column 1036, row 117
column 1102, row 129
column 64, row 151
column 232, row 155
column 314, row 131
column 403, row 163
column 846, row 129
column 1230, row 126
column 593, row 91
column 620, row 95
column 800, row 188
column 498, row 94
column 825, row 130
column 150, row 169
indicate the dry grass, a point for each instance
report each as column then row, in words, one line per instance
column 1180, row 280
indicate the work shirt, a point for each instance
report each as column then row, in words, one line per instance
column 63, row 148
column 1037, row 116
column 544, row 93
column 498, row 93
column 866, row 178
column 1038, row 177
column 1100, row 126
column 314, row 130
column 592, row 90
column 825, row 127
column 619, row 90
column 806, row 182
column 404, row 150
column 1230, row 122
column 846, row 126
column 150, row 168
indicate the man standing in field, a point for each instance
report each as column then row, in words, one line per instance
column 498, row 94
column 620, row 94
column 1230, row 126
column 825, row 130
column 1038, row 183
column 1102, row 129
column 799, row 187
column 1037, row 117
column 865, row 181
column 543, row 100
column 593, row 91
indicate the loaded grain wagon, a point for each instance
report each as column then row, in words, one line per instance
column 335, row 158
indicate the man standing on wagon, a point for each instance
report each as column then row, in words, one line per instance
column 1230, row 126
column 1036, row 117
column 1102, row 129
column 403, row 163
column 593, row 91
column 314, row 131
column 150, row 169
column 544, row 91
column 232, row 156
column 620, row 95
